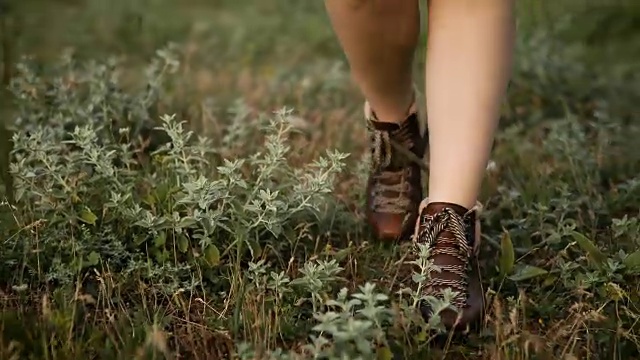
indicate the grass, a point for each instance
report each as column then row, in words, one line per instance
column 245, row 238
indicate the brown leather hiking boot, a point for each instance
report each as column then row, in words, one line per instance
column 452, row 234
column 394, row 188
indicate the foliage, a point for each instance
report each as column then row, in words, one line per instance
column 225, row 232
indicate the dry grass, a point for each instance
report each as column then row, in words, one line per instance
column 561, row 164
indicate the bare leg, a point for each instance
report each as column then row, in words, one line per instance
column 469, row 56
column 379, row 38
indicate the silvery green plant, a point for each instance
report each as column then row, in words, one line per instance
column 317, row 277
column 79, row 177
column 351, row 326
column 422, row 267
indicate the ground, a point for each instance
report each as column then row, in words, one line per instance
column 187, row 182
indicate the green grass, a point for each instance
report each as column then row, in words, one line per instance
column 245, row 238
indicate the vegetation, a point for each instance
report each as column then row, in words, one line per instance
column 187, row 183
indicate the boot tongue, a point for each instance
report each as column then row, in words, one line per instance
column 388, row 126
column 384, row 126
column 436, row 207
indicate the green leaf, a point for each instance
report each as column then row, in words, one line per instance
column 384, row 353
column 593, row 253
column 162, row 192
column 87, row 216
column 139, row 239
column 187, row 222
column 342, row 254
column 507, row 255
column 614, row 291
column 93, row 259
column 183, row 243
column 149, row 199
column 527, row 272
column 161, row 239
column 632, row 261
column 549, row 281
column 421, row 336
column 161, row 256
column 212, row 255
column 254, row 248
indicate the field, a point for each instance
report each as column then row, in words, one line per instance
column 186, row 182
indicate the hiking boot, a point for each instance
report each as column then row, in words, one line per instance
column 452, row 234
column 394, row 187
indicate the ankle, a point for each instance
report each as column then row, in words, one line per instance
column 389, row 112
column 460, row 207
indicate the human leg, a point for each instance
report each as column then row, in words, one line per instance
column 379, row 38
column 469, row 57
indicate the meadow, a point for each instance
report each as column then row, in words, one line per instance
column 184, row 180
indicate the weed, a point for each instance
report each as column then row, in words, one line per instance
column 224, row 231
